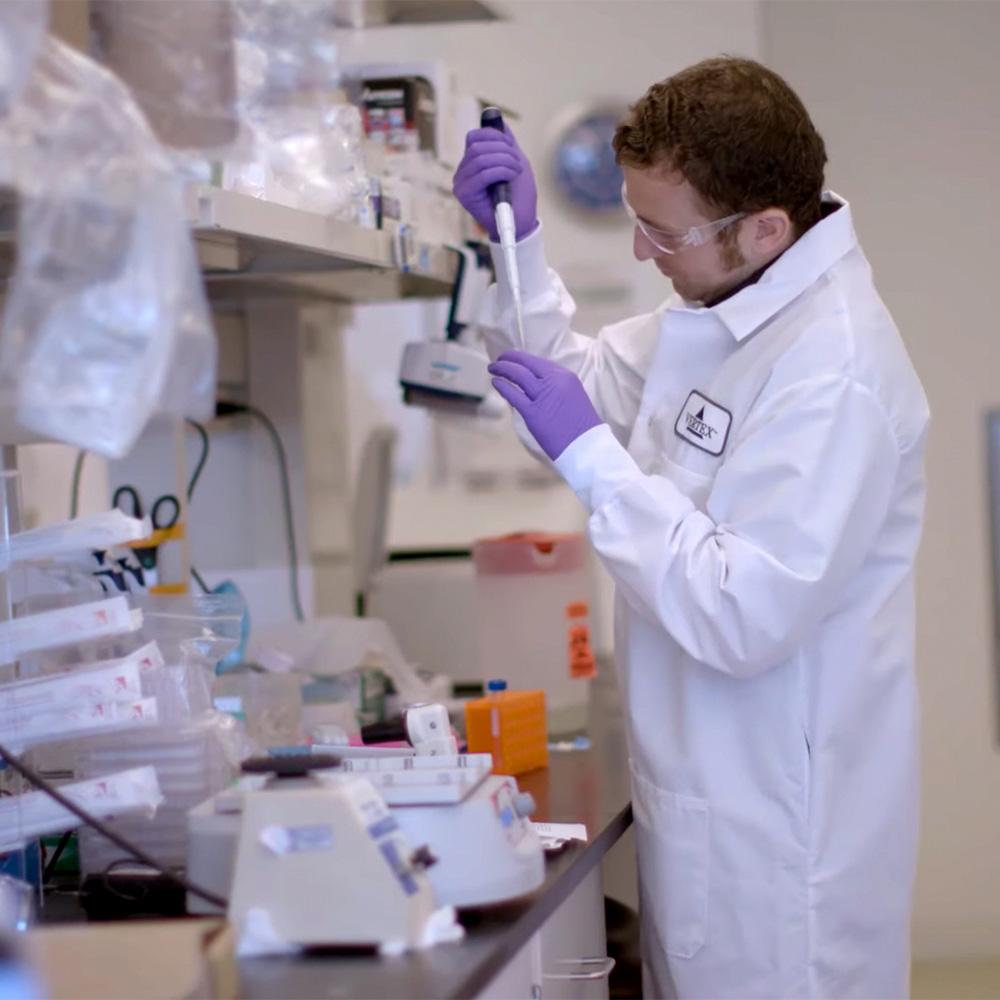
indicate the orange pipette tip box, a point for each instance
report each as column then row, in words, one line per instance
column 510, row 725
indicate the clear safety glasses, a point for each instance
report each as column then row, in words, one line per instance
column 669, row 242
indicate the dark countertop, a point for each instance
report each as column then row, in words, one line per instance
column 579, row 786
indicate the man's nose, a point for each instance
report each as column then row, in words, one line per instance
column 642, row 247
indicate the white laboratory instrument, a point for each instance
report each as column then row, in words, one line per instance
column 475, row 824
column 425, row 726
column 444, row 374
column 319, row 861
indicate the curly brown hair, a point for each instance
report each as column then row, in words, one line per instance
column 737, row 132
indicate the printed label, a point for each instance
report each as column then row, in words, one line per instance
column 403, row 873
column 297, row 839
column 503, row 803
column 704, row 424
column 383, row 826
column 582, row 662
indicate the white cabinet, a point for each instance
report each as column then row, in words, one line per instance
column 520, row 978
column 567, row 959
column 574, row 946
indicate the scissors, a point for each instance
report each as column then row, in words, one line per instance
column 165, row 513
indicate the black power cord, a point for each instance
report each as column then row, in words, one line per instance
column 224, row 409
column 51, row 863
column 102, row 828
column 74, row 494
column 195, row 476
column 199, row 466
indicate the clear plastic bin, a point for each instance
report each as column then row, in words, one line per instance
column 192, row 761
column 533, row 594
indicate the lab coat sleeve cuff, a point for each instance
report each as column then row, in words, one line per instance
column 596, row 467
column 531, row 265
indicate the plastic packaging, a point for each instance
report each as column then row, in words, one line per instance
column 22, row 28
column 64, row 626
column 23, row 700
column 191, row 633
column 84, row 720
column 106, row 646
column 209, row 625
column 332, row 647
column 98, row 531
column 252, row 82
column 293, row 44
column 71, row 576
column 306, row 140
column 106, row 320
column 178, row 60
column 37, row 710
column 181, row 689
column 192, row 761
column 307, row 158
column 35, row 813
column 270, row 705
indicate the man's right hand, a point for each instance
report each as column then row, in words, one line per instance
column 491, row 157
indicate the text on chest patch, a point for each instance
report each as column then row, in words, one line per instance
column 704, row 424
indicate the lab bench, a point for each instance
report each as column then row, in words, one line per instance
column 551, row 944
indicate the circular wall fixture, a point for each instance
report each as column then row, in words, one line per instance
column 583, row 162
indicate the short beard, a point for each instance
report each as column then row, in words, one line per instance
column 732, row 257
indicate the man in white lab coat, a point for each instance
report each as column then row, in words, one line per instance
column 751, row 459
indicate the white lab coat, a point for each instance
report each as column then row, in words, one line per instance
column 757, row 496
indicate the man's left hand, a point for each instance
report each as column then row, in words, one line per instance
column 551, row 399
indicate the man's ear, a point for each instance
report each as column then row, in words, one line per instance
column 772, row 231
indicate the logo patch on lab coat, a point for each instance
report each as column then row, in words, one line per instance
column 704, row 424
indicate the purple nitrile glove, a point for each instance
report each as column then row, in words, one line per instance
column 552, row 400
column 492, row 156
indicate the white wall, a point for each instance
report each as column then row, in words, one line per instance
column 907, row 96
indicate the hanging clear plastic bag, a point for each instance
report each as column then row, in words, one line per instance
column 178, row 61
column 308, row 156
column 22, row 28
column 106, row 320
column 295, row 46
column 306, row 142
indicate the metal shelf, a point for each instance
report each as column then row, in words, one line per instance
column 378, row 13
column 250, row 247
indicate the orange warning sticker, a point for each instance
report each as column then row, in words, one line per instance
column 582, row 663
column 578, row 609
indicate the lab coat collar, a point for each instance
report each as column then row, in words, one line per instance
column 791, row 274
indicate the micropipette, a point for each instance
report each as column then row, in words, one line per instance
column 507, row 231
